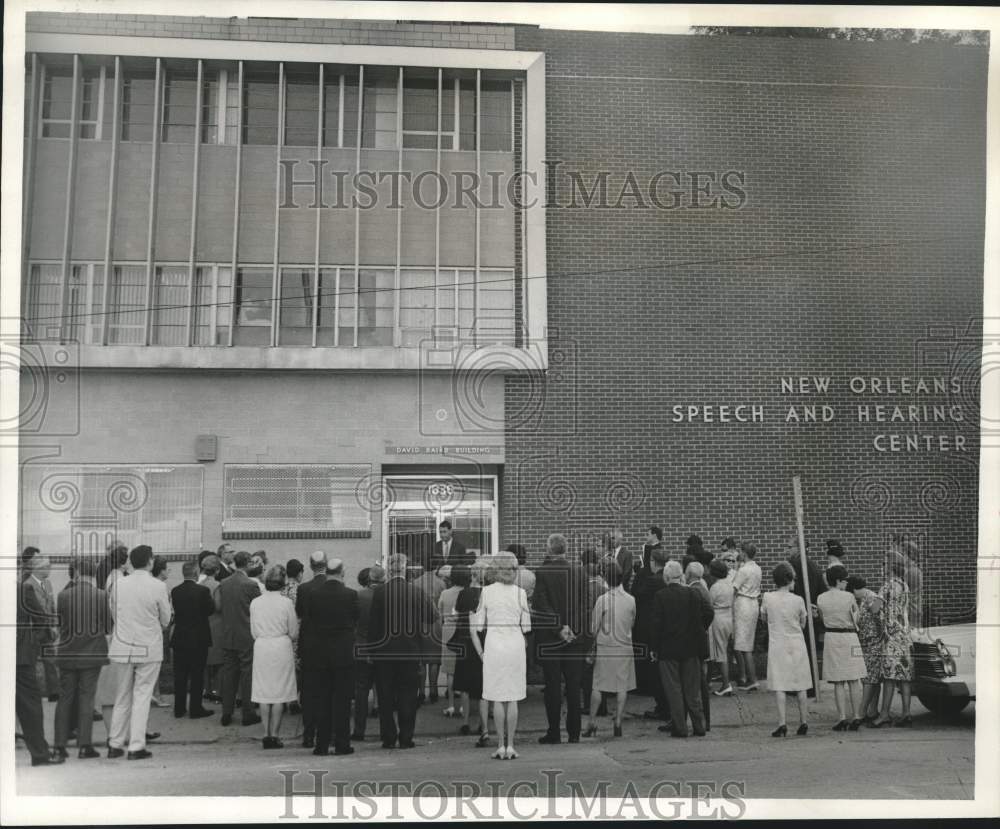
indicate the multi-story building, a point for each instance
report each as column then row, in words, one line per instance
column 302, row 284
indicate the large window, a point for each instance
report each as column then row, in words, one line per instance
column 138, row 104
column 220, row 106
column 81, row 508
column 252, row 307
column 180, row 104
column 127, row 305
column 260, row 107
column 302, row 107
column 295, row 501
column 57, row 102
column 340, row 107
column 332, row 309
column 378, row 121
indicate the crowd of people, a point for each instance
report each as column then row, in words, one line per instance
column 264, row 639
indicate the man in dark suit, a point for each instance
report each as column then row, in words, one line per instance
column 401, row 620
column 648, row 582
column 84, row 623
column 364, row 672
column 449, row 550
column 680, row 620
column 33, row 627
column 193, row 607
column 303, row 596
column 329, row 618
column 654, row 541
column 232, row 600
column 559, row 605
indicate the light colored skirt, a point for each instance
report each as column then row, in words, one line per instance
column 720, row 634
column 843, row 660
column 273, row 670
column 504, row 665
column 614, row 669
column 745, row 614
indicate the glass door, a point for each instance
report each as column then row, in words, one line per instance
column 417, row 504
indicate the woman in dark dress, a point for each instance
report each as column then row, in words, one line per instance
column 468, row 666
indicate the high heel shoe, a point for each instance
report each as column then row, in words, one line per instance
column 855, row 725
column 802, row 729
column 483, row 741
column 511, row 754
column 500, row 754
column 618, row 730
column 780, row 731
column 724, row 692
column 904, row 722
column 841, row 726
column 591, row 731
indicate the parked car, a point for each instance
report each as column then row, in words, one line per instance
column 945, row 668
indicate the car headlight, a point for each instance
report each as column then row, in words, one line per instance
column 947, row 661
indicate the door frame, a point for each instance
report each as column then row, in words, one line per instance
column 440, row 513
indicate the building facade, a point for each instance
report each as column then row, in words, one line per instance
column 322, row 284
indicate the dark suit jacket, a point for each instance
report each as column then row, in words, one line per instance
column 401, row 620
column 364, row 613
column 329, row 619
column 560, row 599
column 456, row 555
column 706, row 601
column 84, row 622
column 33, row 624
column 193, row 608
column 647, row 551
column 645, row 587
column 679, row 621
column 302, row 598
column 233, row 599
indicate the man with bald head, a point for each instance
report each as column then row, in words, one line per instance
column 303, row 596
column 401, row 620
column 679, row 621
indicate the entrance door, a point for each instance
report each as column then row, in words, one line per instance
column 417, row 504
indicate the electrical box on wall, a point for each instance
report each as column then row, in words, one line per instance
column 206, row 447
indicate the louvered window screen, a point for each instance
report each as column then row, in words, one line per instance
column 296, row 501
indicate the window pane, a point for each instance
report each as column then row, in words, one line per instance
column 327, row 298
column 301, row 110
column 42, row 303
column 126, row 305
column 420, row 102
column 253, row 307
column 416, row 306
column 260, row 109
column 296, row 307
column 496, row 305
column 412, row 141
column 90, row 83
column 466, row 302
column 180, row 93
column 495, row 123
column 170, row 305
column 57, row 94
column 446, row 299
column 379, row 120
column 224, row 305
column 138, row 95
column 83, row 304
column 467, row 115
column 350, row 112
column 203, row 308
column 55, row 130
column 376, row 323
column 348, row 300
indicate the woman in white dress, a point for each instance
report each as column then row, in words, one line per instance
column 504, row 615
column 746, row 608
column 274, row 627
column 787, row 661
column 843, row 660
column 614, row 663
column 721, row 632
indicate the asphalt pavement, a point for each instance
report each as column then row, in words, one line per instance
column 933, row 759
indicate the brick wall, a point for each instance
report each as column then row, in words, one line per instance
column 863, row 229
column 293, row 30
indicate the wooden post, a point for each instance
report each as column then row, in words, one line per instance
column 797, row 490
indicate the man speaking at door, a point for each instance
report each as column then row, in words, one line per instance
column 449, row 550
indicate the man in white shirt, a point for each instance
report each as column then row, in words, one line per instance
column 140, row 607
